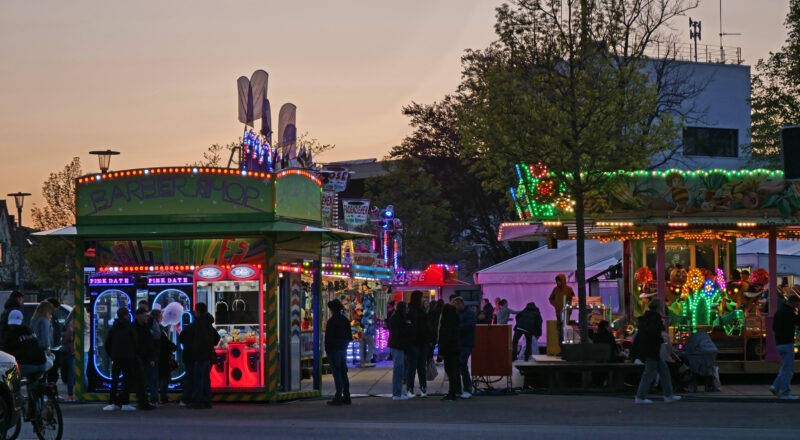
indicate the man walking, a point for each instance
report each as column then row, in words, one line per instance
column 120, row 344
column 784, row 324
column 337, row 337
column 467, row 321
column 205, row 339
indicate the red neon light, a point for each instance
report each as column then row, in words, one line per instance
column 299, row 173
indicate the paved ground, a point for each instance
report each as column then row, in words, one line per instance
column 509, row 417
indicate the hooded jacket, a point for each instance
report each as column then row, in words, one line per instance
column 399, row 332
column 337, row 333
column 205, row 339
column 559, row 295
column 648, row 340
column 529, row 320
column 419, row 325
column 120, row 343
column 21, row 342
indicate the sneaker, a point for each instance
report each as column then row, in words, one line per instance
column 774, row 391
column 346, row 400
column 789, row 397
column 422, row 393
column 410, row 394
column 400, row 397
column 638, row 400
column 672, row 398
column 183, row 404
column 127, row 408
column 111, row 408
column 465, row 395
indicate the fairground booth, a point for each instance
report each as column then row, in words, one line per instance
column 246, row 243
column 679, row 231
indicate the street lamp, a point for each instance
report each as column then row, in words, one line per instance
column 19, row 200
column 104, row 158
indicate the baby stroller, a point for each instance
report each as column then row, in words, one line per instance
column 700, row 355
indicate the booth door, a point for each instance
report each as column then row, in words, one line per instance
column 299, row 355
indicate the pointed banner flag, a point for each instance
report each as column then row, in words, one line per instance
column 287, row 131
column 245, row 101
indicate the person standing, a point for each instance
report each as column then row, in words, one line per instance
column 399, row 341
column 488, row 311
column 433, row 320
column 417, row 354
column 504, row 313
column 68, row 356
column 120, row 345
column 57, row 333
column 466, row 321
column 152, row 372
column 450, row 348
column 166, row 348
column 186, row 339
column 561, row 294
column 337, row 337
column 145, row 355
column 784, row 324
column 42, row 325
column 14, row 302
column 204, row 354
column 647, row 345
column 529, row 324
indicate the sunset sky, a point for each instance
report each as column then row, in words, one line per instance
column 155, row 80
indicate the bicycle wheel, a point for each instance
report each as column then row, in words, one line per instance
column 13, row 432
column 51, row 424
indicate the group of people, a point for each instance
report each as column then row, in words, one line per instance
column 143, row 359
column 46, row 347
column 414, row 332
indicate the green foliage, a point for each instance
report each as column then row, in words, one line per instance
column 775, row 98
column 216, row 155
column 51, row 262
column 419, row 203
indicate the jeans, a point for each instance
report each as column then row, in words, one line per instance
column 784, row 378
column 201, row 371
column 151, row 380
column 367, row 348
column 463, row 366
column 126, row 369
column 68, row 372
column 651, row 366
column 52, row 374
column 453, row 376
column 187, row 394
column 529, row 344
column 337, row 359
column 416, row 358
column 398, row 371
column 140, row 381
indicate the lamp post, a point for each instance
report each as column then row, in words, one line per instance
column 104, row 157
column 19, row 200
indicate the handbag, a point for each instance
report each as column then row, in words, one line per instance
column 431, row 371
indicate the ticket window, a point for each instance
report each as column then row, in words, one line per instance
column 234, row 298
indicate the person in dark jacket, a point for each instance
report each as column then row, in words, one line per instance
column 20, row 341
column 450, row 349
column 203, row 343
column 57, row 331
column 186, row 339
column 466, row 323
column 488, row 311
column 417, row 354
column 166, row 348
column 337, row 336
column 529, row 324
column 399, row 341
column 784, row 324
column 433, row 320
column 145, row 354
column 120, row 345
column 604, row 336
column 647, row 345
column 14, row 302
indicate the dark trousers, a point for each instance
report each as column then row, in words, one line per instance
column 416, row 361
column 453, row 374
column 337, row 359
column 140, row 381
column 528, row 337
column 126, row 369
column 463, row 367
column 187, row 394
column 202, row 382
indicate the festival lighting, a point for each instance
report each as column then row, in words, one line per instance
column 677, row 224
column 746, row 224
column 175, row 170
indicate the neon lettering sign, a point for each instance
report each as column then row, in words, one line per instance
column 169, row 280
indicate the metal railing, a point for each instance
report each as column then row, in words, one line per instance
column 705, row 52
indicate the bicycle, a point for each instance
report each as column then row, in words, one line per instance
column 43, row 412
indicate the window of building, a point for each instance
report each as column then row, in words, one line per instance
column 712, row 142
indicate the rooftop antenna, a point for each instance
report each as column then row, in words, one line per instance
column 695, row 31
column 722, row 34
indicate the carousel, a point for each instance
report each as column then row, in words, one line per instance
column 679, row 231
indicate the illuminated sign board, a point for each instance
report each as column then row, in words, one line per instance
column 169, row 280
column 111, row 281
column 209, row 273
column 243, row 272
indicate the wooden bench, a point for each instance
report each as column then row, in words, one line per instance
column 553, row 371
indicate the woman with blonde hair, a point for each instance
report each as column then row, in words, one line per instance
column 41, row 324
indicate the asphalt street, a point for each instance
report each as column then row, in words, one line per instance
column 538, row 416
